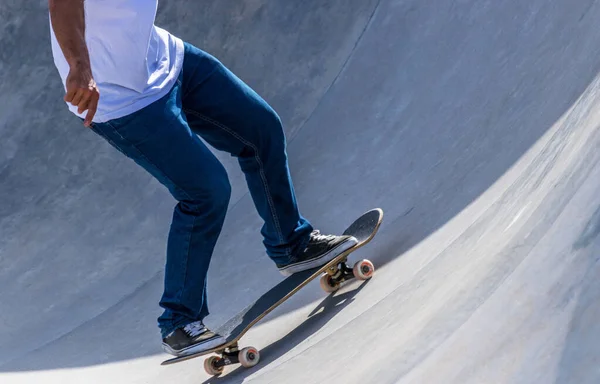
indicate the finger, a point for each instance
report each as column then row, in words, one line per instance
column 69, row 95
column 85, row 101
column 77, row 97
column 83, row 106
column 93, row 105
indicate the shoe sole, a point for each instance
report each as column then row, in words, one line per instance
column 209, row 344
column 320, row 261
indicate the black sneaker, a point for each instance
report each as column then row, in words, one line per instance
column 192, row 338
column 321, row 249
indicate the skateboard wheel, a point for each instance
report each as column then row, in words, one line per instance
column 363, row 270
column 249, row 357
column 328, row 284
column 210, row 366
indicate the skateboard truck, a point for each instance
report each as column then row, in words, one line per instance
column 247, row 357
column 335, row 275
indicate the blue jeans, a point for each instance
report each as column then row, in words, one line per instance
column 210, row 101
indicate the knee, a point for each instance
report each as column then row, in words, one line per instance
column 273, row 127
column 214, row 196
column 220, row 193
column 269, row 136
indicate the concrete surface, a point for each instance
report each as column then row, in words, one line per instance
column 473, row 124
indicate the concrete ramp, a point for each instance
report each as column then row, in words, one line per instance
column 474, row 125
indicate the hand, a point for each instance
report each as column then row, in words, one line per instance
column 82, row 92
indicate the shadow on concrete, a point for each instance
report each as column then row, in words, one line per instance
column 318, row 317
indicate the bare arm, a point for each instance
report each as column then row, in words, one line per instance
column 68, row 22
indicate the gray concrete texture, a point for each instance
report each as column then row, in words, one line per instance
column 473, row 124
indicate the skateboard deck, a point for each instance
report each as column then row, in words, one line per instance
column 332, row 275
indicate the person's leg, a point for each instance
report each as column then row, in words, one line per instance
column 230, row 116
column 233, row 118
column 159, row 139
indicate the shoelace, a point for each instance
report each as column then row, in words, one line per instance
column 194, row 329
column 316, row 235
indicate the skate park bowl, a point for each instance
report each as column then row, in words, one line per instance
column 472, row 124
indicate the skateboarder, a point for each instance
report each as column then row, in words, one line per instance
column 149, row 93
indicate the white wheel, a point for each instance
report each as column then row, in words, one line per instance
column 210, row 368
column 363, row 270
column 328, row 284
column 249, row 357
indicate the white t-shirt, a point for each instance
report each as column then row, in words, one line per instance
column 134, row 63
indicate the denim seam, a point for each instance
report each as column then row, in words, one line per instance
column 180, row 292
column 260, row 164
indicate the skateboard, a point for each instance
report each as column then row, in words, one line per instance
column 333, row 274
